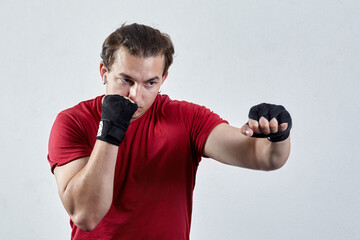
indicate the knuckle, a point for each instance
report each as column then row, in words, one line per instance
column 264, row 126
column 283, row 127
column 253, row 124
column 264, row 123
column 273, row 124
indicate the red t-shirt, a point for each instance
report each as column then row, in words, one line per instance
column 155, row 171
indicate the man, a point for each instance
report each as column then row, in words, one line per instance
column 125, row 163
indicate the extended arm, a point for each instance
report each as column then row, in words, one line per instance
column 269, row 149
column 229, row 145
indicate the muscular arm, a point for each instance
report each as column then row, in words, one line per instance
column 229, row 145
column 86, row 185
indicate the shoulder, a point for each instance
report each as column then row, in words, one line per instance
column 80, row 120
column 180, row 110
column 73, row 133
column 164, row 103
column 84, row 110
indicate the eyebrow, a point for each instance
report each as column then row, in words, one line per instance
column 125, row 75
column 156, row 78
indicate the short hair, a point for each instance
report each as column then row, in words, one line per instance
column 139, row 40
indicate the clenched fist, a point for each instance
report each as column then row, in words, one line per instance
column 116, row 114
column 268, row 121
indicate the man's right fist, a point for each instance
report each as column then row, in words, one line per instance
column 116, row 114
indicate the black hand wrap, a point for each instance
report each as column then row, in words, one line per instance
column 270, row 111
column 116, row 114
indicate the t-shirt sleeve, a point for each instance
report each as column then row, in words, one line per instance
column 67, row 141
column 200, row 121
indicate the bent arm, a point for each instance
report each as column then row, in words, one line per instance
column 86, row 185
column 228, row 145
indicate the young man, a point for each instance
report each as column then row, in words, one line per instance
column 125, row 163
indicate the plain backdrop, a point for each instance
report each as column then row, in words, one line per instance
column 230, row 55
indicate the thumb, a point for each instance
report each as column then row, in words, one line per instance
column 246, row 130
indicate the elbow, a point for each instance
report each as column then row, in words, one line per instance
column 274, row 164
column 85, row 222
column 274, row 167
column 85, row 216
column 276, row 161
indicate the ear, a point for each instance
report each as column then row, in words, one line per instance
column 164, row 77
column 103, row 70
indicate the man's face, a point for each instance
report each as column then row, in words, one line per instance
column 136, row 78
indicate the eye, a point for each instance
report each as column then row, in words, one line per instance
column 150, row 83
column 126, row 81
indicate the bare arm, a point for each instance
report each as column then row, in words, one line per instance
column 229, row 145
column 269, row 149
column 86, row 185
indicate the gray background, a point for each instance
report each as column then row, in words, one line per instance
column 230, row 55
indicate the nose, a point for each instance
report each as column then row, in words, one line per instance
column 134, row 93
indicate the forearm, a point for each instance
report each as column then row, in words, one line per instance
column 271, row 155
column 88, row 195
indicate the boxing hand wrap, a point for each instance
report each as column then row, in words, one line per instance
column 270, row 111
column 116, row 114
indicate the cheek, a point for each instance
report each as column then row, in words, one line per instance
column 112, row 88
column 148, row 97
column 151, row 98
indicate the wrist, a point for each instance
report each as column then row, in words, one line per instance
column 280, row 137
column 111, row 132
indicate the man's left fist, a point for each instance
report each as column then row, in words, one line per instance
column 268, row 121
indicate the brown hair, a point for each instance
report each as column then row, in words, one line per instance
column 140, row 40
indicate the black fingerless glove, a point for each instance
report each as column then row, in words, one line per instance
column 116, row 114
column 270, row 111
